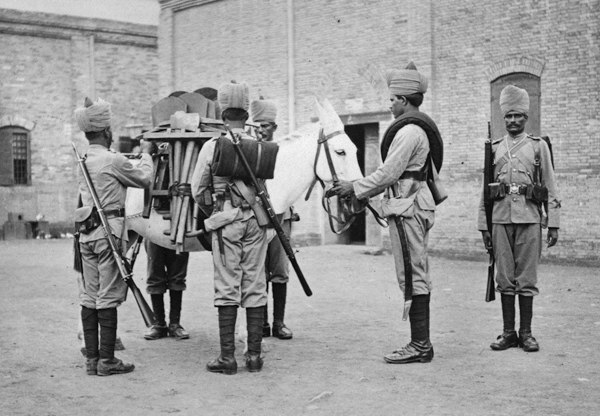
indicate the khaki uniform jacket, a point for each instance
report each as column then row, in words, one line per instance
column 408, row 152
column 514, row 163
column 111, row 173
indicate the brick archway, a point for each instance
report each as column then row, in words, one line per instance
column 16, row 121
column 511, row 65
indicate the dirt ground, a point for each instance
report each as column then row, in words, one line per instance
column 334, row 364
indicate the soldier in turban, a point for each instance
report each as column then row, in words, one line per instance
column 239, row 243
column 264, row 112
column 524, row 199
column 407, row 203
column 102, row 289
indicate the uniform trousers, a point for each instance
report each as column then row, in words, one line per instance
column 102, row 286
column 240, row 280
column 417, row 229
column 517, row 251
column 166, row 269
column 277, row 265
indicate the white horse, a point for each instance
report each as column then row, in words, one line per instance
column 296, row 168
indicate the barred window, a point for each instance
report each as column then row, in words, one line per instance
column 15, row 157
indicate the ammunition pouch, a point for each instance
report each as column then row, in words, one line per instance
column 497, row 191
column 537, row 193
column 87, row 220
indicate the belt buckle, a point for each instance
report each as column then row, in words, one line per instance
column 514, row 188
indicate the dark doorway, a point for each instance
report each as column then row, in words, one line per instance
column 528, row 82
column 356, row 234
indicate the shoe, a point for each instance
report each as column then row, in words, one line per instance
column 281, row 331
column 528, row 342
column 505, row 341
column 91, row 366
column 254, row 362
column 156, row 332
column 176, row 331
column 266, row 330
column 119, row 344
column 225, row 365
column 110, row 366
column 410, row 354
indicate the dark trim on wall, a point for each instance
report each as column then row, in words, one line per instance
column 54, row 26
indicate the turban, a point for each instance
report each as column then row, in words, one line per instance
column 263, row 110
column 406, row 81
column 93, row 116
column 514, row 99
column 233, row 95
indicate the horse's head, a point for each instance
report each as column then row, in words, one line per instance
column 336, row 154
column 336, row 160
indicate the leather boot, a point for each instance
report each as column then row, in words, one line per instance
column 508, row 338
column 280, row 330
column 91, row 366
column 419, row 349
column 225, row 363
column 175, row 328
column 108, row 364
column 526, row 340
column 159, row 329
column 266, row 331
column 254, row 322
column 89, row 321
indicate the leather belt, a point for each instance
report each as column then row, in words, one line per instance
column 514, row 188
column 114, row 213
column 417, row 175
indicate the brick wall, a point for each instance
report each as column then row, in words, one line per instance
column 341, row 48
column 48, row 64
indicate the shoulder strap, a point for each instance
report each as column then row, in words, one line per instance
column 436, row 145
column 537, row 168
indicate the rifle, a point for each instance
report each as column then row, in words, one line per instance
column 122, row 264
column 264, row 198
column 488, row 174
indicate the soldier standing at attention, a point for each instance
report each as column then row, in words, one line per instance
column 265, row 112
column 407, row 203
column 523, row 184
column 102, row 289
column 239, row 243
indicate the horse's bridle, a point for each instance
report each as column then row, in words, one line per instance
column 348, row 208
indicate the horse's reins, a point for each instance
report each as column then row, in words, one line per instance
column 346, row 206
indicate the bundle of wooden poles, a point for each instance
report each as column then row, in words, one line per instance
column 182, row 124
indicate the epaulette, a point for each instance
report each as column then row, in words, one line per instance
column 534, row 137
column 496, row 141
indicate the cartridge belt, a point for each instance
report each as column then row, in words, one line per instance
column 515, row 188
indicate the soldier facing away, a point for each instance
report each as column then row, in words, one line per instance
column 102, row 289
column 239, row 243
column 523, row 185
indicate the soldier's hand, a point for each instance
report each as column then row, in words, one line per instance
column 343, row 189
column 487, row 239
column 146, row 146
column 552, row 236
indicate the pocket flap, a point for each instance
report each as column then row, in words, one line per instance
column 83, row 213
column 221, row 219
column 397, row 206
